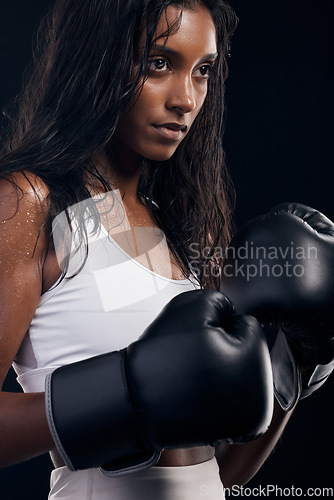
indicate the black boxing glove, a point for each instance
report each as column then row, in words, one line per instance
column 199, row 374
column 280, row 268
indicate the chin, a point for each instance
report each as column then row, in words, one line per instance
column 162, row 155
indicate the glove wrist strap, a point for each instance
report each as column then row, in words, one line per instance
column 92, row 418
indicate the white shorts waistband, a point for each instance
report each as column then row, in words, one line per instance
column 193, row 482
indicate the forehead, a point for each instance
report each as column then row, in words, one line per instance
column 194, row 32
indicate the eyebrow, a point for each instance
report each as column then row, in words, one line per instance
column 175, row 53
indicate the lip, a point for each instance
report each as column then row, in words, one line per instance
column 172, row 131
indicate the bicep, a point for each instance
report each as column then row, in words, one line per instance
column 18, row 300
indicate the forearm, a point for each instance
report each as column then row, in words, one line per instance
column 24, row 431
column 238, row 463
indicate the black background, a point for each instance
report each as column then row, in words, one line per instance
column 279, row 148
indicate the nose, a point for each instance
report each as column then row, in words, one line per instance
column 181, row 94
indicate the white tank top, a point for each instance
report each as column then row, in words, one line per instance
column 105, row 307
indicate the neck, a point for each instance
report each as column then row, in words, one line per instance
column 123, row 173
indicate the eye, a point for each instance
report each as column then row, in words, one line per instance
column 204, row 71
column 157, row 65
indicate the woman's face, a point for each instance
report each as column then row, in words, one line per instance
column 176, row 87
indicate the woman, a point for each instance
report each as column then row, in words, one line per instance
column 126, row 98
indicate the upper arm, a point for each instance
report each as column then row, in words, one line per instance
column 23, row 246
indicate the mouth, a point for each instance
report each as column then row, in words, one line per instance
column 171, row 131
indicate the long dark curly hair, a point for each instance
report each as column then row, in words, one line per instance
column 70, row 106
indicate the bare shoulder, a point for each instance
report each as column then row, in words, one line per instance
column 23, row 227
column 22, row 190
column 23, row 210
column 23, row 247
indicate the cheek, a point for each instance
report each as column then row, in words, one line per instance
column 152, row 96
column 203, row 93
column 142, row 109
